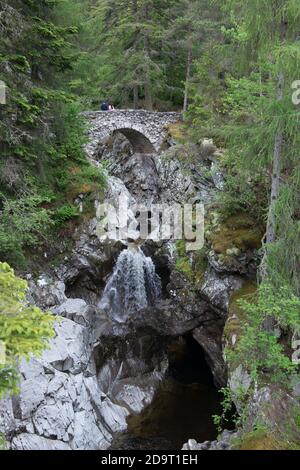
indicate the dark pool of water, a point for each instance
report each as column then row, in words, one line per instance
column 182, row 408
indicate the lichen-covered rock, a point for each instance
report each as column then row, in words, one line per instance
column 76, row 310
column 218, row 288
column 224, row 442
column 26, row 441
column 47, row 292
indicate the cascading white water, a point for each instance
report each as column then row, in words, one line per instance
column 133, row 285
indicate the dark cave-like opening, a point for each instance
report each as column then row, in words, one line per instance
column 187, row 362
column 164, row 274
column 182, row 408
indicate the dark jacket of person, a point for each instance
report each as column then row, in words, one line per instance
column 104, row 106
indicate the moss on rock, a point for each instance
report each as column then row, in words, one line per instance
column 237, row 233
column 178, row 132
column 236, row 317
column 261, row 440
column 194, row 267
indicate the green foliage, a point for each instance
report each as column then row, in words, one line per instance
column 183, row 262
column 227, row 415
column 41, row 130
column 259, row 348
column 24, row 329
column 23, row 223
column 2, row 442
column 192, row 266
column 65, row 213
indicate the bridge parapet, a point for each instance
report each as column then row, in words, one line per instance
column 146, row 130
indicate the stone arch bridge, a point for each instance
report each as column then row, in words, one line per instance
column 146, row 130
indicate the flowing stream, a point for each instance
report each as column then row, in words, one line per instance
column 187, row 398
column 133, row 285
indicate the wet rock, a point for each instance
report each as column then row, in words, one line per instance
column 234, row 262
column 97, row 437
column 47, row 292
column 224, row 442
column 33, row 442
column 76, row 310
column 55, row 420
column 217, row 288
column 210, row 338
column 69, row 349
column 96, row 372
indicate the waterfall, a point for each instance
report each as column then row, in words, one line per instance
column 133, row 285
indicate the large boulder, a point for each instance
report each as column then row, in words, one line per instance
column 76, row 310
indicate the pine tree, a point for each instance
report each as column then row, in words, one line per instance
column 194, row 22
column 246, row 100
column 131, row 44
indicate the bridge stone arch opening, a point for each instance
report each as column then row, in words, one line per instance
column 139, row 142
column 147, row 131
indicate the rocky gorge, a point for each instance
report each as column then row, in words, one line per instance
column 99, row 371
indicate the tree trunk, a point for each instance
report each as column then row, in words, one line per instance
column 148, row 96
column 277, row 157
column 277, row 165
column 187, row 79
column 135, row 97
column 147, row 86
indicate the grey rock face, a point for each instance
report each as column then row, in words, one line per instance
column 76, row 310
column 176, row 184
column 238, row 263
column 26, row 441
column 217, row 288
column 69, row 350
column 47, row 292
column 223, row 443
column 80, row 392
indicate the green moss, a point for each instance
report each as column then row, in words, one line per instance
column 237, row 232
column 261, row 440
column 183, row 262
column 184, row 266
column 236, row 317
column 65, row 213
column 192, row 268
column 200, row 266
column 178, row 131
column 3, row 444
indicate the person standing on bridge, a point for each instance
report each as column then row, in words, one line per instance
column 104, row 106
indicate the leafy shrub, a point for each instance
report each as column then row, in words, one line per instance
column 244, row 191
column 259, row 348
column 23, row 223
column 24, row 329
column 65, row 213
